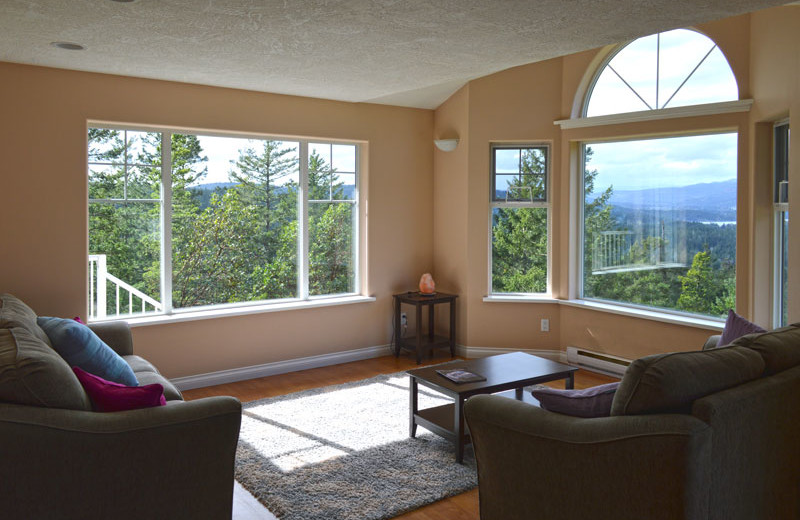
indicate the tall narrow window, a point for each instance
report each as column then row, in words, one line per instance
column 781, row 206
column 208, row 220
column 519, row 219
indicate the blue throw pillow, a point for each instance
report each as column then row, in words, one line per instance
column 80, row 347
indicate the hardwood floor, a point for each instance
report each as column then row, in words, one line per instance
column 459, row 507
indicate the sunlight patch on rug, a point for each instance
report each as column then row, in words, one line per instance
column 343, row 452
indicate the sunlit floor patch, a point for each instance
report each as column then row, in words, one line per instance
column 295, row 432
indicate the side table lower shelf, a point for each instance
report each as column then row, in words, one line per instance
column 426, row 345
column 421, row 343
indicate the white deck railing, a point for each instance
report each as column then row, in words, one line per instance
column 611, row 253
column 99, row 278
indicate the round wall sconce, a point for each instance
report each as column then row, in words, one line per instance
column 446, row 145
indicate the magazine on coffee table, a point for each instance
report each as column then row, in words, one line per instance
column 459, row 375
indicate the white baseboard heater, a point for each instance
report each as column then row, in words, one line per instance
column 597, row 361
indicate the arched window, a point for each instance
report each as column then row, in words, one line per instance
column 665, row 70
column 659, row 213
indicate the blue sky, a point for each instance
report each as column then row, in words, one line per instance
column 222, row 153
column 690, row 70
column 667, row 82
column 667, row 162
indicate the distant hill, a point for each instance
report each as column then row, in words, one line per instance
column 705, row 202
column 211, row 186
column 205, row 190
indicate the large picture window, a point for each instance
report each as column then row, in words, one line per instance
column 519, row 219
column 185, row 221
column 659, row 222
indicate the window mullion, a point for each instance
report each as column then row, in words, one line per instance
column 166, row 222
column 302, row 224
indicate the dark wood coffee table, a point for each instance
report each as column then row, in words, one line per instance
column 503, row 373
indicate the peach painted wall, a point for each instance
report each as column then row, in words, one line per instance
column 515, row 105
column 775, row 79
column 44, row 205
column 450, row 190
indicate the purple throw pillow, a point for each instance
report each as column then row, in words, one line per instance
column 735, row 328
column 108, row 396
column 589, row 402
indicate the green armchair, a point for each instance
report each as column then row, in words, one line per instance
column 703, row 435
column 173, row 461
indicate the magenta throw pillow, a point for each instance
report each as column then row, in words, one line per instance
column 735, row 328
column 589, row 402
column 108, row 396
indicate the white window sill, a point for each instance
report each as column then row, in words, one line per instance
column 520, row 298
column 706, row 109
column 664, row 317
column 243, row 310
column 622, row 310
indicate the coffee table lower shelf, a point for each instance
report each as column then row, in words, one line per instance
column 441, row 419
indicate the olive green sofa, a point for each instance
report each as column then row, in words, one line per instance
column 61, row 460
column 712, row 434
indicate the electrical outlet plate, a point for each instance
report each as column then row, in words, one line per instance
column 403, row 319
column 545, row 325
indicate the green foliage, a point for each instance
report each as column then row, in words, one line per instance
column 519, row 234
column 330, row 255
column 127, row 232
column 213, row 260
column 519, row 250
column 703, row 291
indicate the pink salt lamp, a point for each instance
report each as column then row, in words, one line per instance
column 426, row 284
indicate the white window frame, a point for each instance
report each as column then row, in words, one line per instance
column 165, row 202
column 497, row 204
column 780, row 207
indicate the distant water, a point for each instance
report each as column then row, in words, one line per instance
column 720, row 224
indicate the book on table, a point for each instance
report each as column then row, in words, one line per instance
column 459, row 375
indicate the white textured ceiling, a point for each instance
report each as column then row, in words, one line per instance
column 399, row 52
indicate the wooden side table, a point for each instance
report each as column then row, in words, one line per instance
column 421, row 341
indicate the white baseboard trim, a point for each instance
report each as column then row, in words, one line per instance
column 293, row 365
column 475, row 352
column 279, row 367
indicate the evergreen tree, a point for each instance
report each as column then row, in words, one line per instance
column 265, row 186
column 263, row 178
column 700, row 287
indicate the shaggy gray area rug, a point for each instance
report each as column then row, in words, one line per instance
column 343, row 452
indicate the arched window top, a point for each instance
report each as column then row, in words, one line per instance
column 665, row 70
